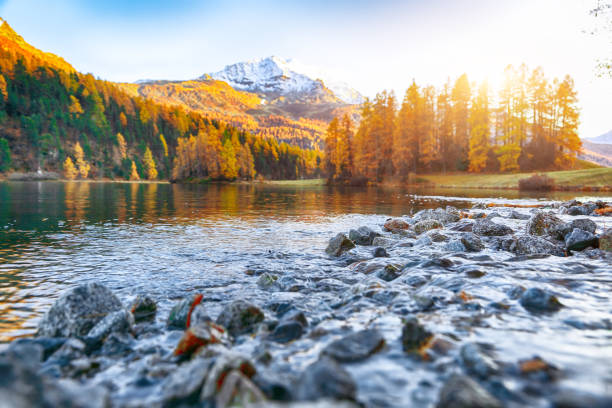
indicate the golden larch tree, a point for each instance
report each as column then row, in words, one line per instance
column 149, row 165
column 70, row 172
column 134, row 176
column 82, row 166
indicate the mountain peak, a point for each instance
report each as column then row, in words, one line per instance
column 278, row 76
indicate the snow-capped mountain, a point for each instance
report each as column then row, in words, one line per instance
column 277, row 76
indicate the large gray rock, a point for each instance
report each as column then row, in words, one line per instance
column 578, row 240
column 443, row 216
column 339, row 245
column 240, row 317
column 363, row 235
column 531, row 245
column 488, row 228
column 78, row 310
column 463, row 392
column 356, row 346
column 543, row 223
column 563, row 230
column 325, row 379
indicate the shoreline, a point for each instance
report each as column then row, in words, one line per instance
column 586, row 180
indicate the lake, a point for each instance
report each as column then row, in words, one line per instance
column 169, row 241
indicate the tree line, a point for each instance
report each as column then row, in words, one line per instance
column 531, row 123
column 60, row 120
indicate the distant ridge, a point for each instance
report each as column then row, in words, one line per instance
column 605, row 138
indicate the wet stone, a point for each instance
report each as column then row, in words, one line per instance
column 471, row 242
column 380, row 252
column 455, row 245
column 414, row 335
column 363, row 235
column 426, row 225
column 578, row 240
column 339, row 245
column 396, row 224
column 185, row 382
column 121, row 321
column 489, row 228
column 78, row 310
column 538, row 300
column 389, row 273
column 143, row 308
column 48, row 345
column 180, row 314
column 531, row 245
column 356, row 346
column 578, row 210
column 198, row 336
column 325, row 379
column 477, row 361
column 543, row 223
column 287, row 331
column 240, row 317
column 266, row 280
column 460, row 391
column 605, row 240
column 383, row 242
column 435, row 236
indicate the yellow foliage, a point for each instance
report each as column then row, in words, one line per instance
column 122, row 145
column 134, row 174
column 75, row 106
column 69, row 171
column 82, row 165
column 149, row 165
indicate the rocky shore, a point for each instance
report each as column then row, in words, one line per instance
column 448, row 307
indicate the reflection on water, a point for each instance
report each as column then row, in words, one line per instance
column 163, row 238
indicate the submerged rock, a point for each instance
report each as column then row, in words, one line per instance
column 477, row 361
column 578, row 240
column 356, row 346
column 441, row 215
column 363, row 235
column 339, row 245
column 287, row 331
column 380, row 252
column 143, row 308
column 471, row 242
column 325, row 379
column 488, row 228
column 414, row 335
column 538, row 300
column 389, row 273
column 455, row 245
column 78, row 310
column 240, row 317
column 463, row 392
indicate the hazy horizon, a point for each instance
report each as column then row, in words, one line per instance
column 371, row 46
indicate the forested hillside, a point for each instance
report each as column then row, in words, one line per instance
column 530, row 124
column 54, row 118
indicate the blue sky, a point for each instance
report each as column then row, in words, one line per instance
column 372, row 45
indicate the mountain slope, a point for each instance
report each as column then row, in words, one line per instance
column 266, row 97
column 274, row 77
column 599, row 153
column 54, row 118
column 606, row 138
